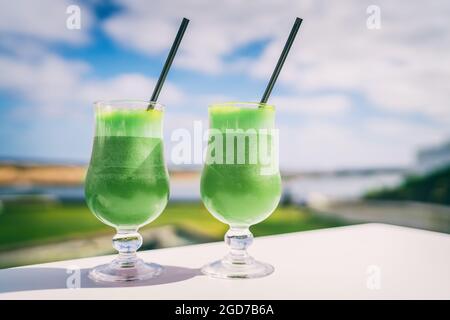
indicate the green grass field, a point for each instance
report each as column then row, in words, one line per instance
column 35, row 223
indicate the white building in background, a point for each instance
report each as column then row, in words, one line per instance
column 433, row 158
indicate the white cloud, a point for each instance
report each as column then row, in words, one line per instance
column 371, row 143
column 52, row 85
column 48, row 83
column 140, row 33
column 43, row 20
column 317, row 105
column 400, row 68
column 217, row 28
column 129, row 86
column 404, row 133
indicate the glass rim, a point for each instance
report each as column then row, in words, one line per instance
column 127, row 104
column 243, row 104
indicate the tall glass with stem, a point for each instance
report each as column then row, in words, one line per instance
column 127, row 183
column 240, row 183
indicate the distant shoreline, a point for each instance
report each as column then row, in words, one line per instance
column 35, row 173
column 58, row 175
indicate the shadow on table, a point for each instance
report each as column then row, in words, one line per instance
column 39, row 278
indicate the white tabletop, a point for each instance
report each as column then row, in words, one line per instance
column 370, row 261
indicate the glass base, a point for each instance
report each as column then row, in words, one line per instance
column 225, row 269
column 117, row 271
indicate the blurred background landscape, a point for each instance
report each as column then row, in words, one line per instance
column 363, row 112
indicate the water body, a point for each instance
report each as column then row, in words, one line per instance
column 338, row 188
column 302, row 190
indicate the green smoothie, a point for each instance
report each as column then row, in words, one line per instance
column 127, row 183
column 241, row 193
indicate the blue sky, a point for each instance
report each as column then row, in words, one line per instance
column 349, row 96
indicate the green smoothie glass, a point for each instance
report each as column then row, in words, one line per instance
column 240, row 183
column 127, row 184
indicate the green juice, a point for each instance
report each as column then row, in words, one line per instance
column 127, row 183
column 236, row 193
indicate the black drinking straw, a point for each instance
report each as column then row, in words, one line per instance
column 276, row 72
column 169, row 60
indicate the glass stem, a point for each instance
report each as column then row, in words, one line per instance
column 238, row 239
column 127, row 242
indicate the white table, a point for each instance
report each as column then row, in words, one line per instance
column 370, row 261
